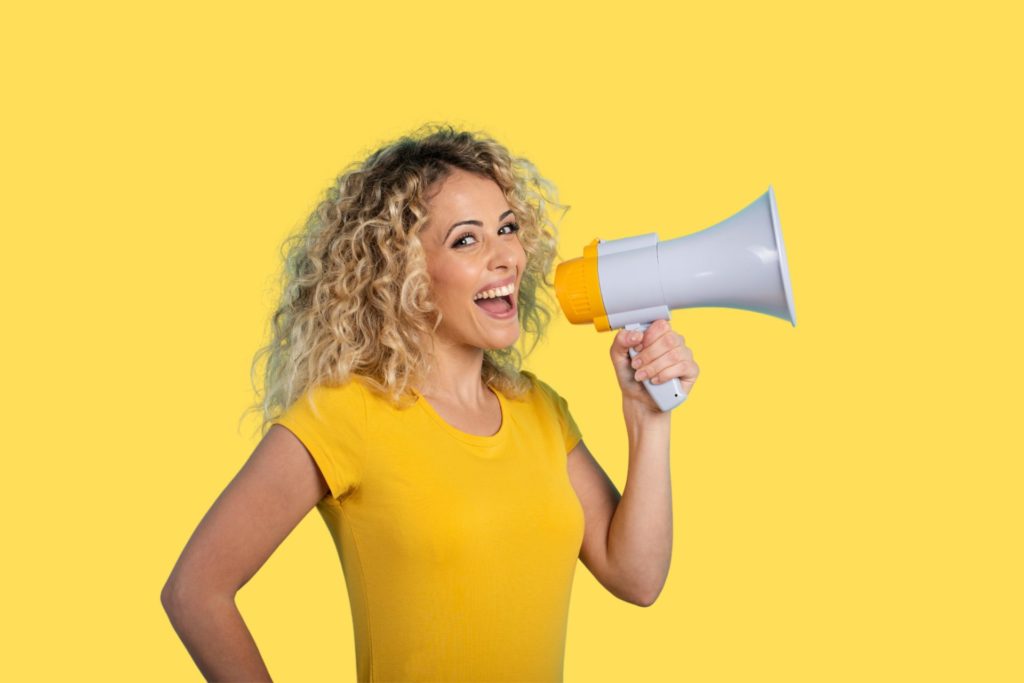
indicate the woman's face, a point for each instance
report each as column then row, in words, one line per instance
column 471, row 247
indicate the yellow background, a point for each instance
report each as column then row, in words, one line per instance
column 847, row 493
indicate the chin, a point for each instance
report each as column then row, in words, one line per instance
column 494, row 342
column 502, row 341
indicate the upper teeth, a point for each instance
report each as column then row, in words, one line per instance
column 491, row 293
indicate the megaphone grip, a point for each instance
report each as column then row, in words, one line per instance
column 668, row 395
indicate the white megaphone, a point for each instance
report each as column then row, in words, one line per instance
column 631, row 282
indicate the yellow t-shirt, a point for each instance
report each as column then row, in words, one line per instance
column 458, row 550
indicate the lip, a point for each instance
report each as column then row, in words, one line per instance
column 512, row 312
column 503, row 283
column 509, row 314
column 499, row 283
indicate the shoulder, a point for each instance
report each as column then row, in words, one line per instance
column 350, row 389
column 348, row 397
column 329, row 417
column 541, row 391
column 537, row 385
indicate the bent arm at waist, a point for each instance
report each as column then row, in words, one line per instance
column 215, row 635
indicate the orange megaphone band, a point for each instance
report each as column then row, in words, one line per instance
column 578, row 288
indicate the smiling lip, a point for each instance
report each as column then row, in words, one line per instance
column 499, row 283
column 510, row 313
column 513, row 311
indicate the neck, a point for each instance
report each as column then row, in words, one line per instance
column 455, row 376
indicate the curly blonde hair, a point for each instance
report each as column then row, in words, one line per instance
column 355, row 293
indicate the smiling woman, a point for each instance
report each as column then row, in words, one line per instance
column 395, row 403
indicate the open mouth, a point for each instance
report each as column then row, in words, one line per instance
column 499, row 306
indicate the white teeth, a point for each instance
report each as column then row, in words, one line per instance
column 500, row 291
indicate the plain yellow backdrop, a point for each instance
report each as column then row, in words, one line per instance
column 847, row 493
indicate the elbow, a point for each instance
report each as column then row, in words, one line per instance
column 181, row 596
column 637, row 598
column 174, row 596
column 169, row 596
column 636, row 594
column 646, row 598
column 633, row 597
column 645, row 601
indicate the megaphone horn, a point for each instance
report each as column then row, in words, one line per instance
column 631, row 282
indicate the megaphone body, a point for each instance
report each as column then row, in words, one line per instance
column 631, row 282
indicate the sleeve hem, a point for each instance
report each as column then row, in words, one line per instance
column 323, row 462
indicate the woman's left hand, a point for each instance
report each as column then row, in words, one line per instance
column 662, row 355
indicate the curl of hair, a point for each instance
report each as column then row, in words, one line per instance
column 355, row 293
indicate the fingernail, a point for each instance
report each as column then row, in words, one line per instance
column 636, row 362
column 640, row 375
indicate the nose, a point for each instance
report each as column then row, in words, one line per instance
column 505, row 254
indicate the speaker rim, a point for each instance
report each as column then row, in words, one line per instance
column 783, row 262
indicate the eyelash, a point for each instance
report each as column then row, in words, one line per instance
column 514, row 226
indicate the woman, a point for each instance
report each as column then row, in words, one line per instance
column 457, row 488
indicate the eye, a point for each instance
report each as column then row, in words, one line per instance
column 459, row 242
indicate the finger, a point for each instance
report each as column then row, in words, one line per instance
column 660, row 347
column 677, row 353
column 659, row 329
column 655, row 330
column 625, row 339
column 685, row 371
column 660, row 364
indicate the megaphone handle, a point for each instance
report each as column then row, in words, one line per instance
column 667, row 395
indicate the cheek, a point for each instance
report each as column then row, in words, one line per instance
column 449, row 286
column 522, row 253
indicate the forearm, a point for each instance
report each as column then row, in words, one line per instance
column 640, row 532
column 215, row 635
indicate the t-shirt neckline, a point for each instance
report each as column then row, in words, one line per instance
column 477, row 439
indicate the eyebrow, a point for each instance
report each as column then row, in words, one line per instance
column 478, row 223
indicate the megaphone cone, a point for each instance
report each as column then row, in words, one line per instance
column 737, row 263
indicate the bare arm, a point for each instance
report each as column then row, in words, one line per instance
column 640, row 531
column 629, row 548
column 627, row 540
column 599, row 497
column 270, row 495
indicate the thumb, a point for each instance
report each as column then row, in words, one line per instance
column 621, row 344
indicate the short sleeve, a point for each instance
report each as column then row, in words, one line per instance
column 331, row 423
column 570, row 431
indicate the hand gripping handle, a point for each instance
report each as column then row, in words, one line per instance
column 667, row 395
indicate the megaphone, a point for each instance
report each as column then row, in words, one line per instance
column 631, row 282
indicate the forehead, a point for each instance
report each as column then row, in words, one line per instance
column 462, row 195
